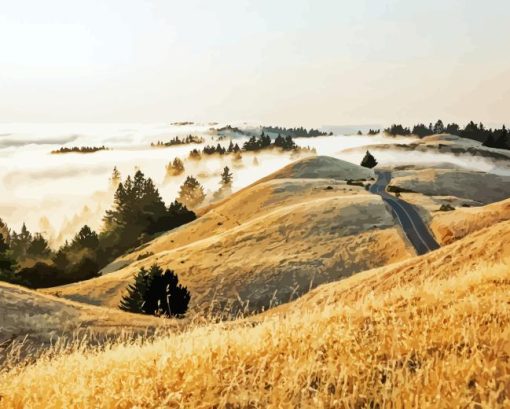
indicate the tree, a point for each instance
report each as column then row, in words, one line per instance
column 7, row 262
column 115, row 179
column 175, row 168
column 226, row 178
column 251, row 144
column 368, row 161
column 86, row 238
column 439, row 127
column 176, row 215
column 38, row 247
column 421, row 130
column 20, row 242
column 138, row 209
column 4, row 231
column 156, row 292
column 191, row 193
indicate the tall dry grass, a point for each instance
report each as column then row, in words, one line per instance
column 438, row 343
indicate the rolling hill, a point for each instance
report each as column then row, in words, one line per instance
column 429, row 331
column 267, row 244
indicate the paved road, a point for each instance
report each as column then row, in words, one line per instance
column 411, row 222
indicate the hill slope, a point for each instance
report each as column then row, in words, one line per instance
column 429, row 332
column 266, row 244
column 37, row 319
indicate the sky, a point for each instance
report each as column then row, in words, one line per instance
column 288, row 62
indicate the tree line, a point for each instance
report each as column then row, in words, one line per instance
column 187, row 140
column 137, row 213
column 493, row 138
column 80, row 149
column 298, row 132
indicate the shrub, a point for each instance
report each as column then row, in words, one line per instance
column 446, row 208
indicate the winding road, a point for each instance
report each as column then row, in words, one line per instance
column 407, row 216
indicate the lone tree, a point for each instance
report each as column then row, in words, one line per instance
column 226, row 177
column 156, row 292
column 368, row 161
column 115, row 179
column 175, row 168
column 191, row 193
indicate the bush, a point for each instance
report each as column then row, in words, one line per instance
column 446, row 208
column 155, row 292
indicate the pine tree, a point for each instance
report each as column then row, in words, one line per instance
column 368, row 161
column 191, row 193
column 115, row 179
column 439, row 127
column 175, row 168
column 134, row 300
column 4, row 231
column 156, row 292
column 86, row 238
column 7, row 262
column 38, row 247
column 226, row 177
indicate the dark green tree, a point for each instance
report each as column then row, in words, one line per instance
column 86, row 238
column 38, row 247
column 156, row 292
column 7, row 262
column 439, row 127
column 368, row 161
column 226, row 177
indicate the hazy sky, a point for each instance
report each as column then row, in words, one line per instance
column 310, row 62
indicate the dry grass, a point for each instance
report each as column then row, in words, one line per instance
column 428, row 332
column 264, row 246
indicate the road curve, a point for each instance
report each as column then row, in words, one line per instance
column 407, row 216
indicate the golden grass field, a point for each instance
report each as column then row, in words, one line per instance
column 403, row 332
column 428, row 332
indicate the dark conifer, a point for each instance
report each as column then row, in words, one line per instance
column 368, row 161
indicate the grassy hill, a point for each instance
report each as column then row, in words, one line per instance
column 427, row 332
column 30, row 320
column 296, row 229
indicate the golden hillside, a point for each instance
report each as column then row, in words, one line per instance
column 37, row 319
column 428, row 332
column 478, row 186
column 267, row 244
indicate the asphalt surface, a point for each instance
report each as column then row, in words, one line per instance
column 412, row 224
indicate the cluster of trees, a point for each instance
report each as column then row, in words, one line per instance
column 296, row 132
column 27, row 258
column 211, row 150
column 264, row 142
column 494, row 138
column 175, row 168
column 187, row 140
column 80, row 149
column 255, row 143
column 156, row 292
column 137, row 213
